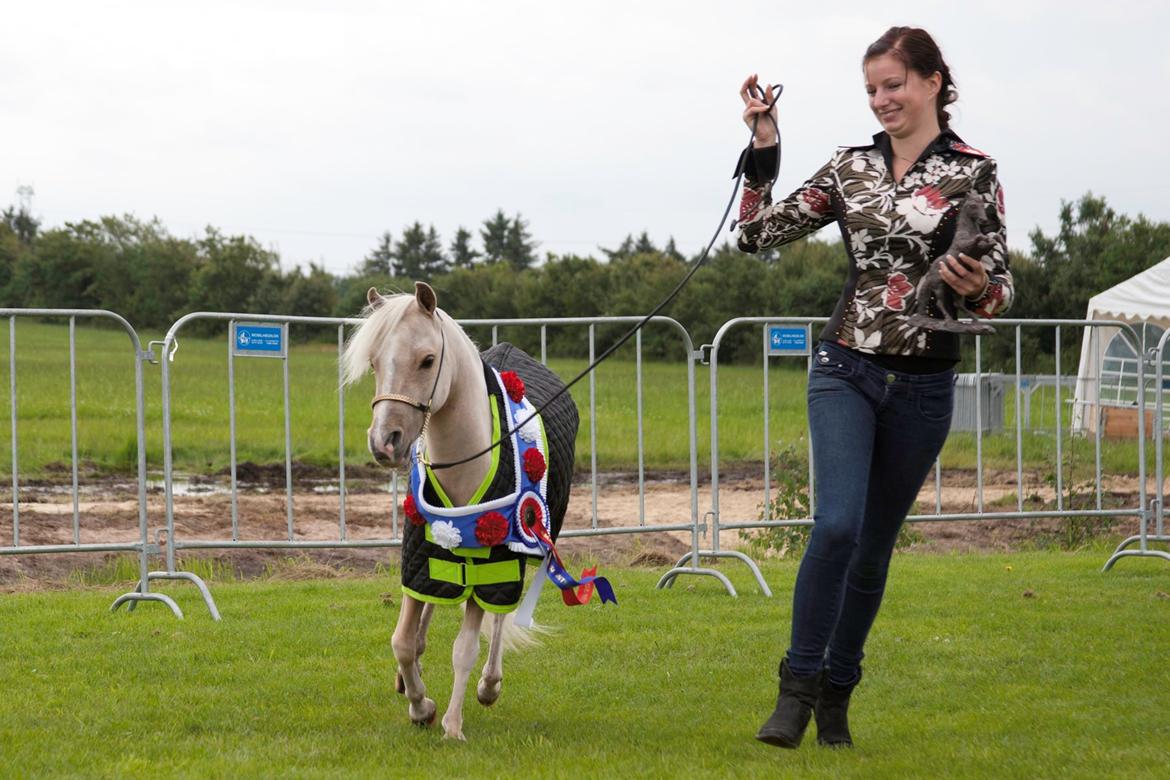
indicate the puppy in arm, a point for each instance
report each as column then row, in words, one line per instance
column 970, row 240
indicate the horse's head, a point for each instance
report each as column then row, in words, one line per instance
column 402, row 341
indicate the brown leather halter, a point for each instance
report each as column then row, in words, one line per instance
column 425, row 408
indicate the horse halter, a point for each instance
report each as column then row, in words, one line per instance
column 425, row 408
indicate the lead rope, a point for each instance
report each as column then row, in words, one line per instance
column 673, row 293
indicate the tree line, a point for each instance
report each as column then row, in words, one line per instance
column 141, row 270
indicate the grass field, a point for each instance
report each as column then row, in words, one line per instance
column 201, row 429
column 1029, row 665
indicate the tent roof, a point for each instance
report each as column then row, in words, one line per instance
column 1145, row 296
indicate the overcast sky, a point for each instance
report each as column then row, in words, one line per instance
column 316, row 126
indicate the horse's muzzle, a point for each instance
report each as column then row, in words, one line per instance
column 389, row 448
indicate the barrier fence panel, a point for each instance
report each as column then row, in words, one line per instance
column 1067, row 499
column 693, row 524
column 1158, row 357
column 141, row 545
column 267, row 335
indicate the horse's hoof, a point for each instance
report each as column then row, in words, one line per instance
column 428, row 719
column 487, row 693
column 399, row 684
column 455, row 732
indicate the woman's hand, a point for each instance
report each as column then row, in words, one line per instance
column 756, row 110
column 964, row 274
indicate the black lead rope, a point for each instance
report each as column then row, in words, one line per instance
column 665, row 301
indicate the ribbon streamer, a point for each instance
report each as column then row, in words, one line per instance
column 574, row 592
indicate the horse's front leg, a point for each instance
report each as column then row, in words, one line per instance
column 405, row 644
column 463, row 656
column 488, row 689
column 424, row 625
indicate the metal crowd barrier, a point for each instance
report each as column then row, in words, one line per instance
column 142, row 546
column 1158, row 504
column 804, row 326
column 1148, row 509
column 235, row 320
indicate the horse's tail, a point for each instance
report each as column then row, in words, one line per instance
column 515, row 637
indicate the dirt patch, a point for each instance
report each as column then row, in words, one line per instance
column 108, row 512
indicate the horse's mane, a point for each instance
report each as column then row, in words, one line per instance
column 369, row 334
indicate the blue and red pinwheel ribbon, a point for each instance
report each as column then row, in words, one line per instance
column 574, row 592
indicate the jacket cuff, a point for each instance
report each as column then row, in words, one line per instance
column 974, row 300
column 756, row 164
column 990, row 302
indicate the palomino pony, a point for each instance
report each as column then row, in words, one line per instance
column 436, row 401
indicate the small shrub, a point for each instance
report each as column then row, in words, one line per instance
column 789, row 501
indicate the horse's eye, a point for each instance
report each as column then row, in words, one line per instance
column 427, row 362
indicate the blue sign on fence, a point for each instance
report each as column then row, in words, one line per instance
column 252, row 340
column 787, row 341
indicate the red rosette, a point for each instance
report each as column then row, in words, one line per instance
column 411, row 511
column 491, row 529
column 530, row 513
column 513, row 384
column 534, row 465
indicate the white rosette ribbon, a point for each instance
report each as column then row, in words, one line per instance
column 446, row 535
column 530, row 431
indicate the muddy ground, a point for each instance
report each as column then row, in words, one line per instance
column 108, row 510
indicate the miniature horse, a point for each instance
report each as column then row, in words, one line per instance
column 434, row 403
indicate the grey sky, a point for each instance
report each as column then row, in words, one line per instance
column 315, row 126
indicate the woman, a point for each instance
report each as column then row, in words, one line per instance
column 880, row 391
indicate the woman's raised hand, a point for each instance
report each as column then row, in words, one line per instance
column 757, row 108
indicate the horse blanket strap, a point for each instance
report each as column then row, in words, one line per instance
column 474, row 574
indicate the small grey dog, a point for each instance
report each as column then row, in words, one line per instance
column 971, row 240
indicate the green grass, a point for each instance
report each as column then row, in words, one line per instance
column 1029, row 665
column 106, row 423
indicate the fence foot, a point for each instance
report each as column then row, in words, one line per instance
column 1122, row 552
column 139, row 588
column 195, row 580
column 731, row 554
column 136, row 597
column 668, row 578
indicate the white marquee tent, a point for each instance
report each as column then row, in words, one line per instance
column 1109, row 357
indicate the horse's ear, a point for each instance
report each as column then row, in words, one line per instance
column 374, row 298
column 425, row 297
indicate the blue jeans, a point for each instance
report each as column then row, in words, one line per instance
column 875, row 435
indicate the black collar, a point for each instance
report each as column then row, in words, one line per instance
column 946, row 141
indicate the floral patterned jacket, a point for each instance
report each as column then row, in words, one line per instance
column 892, row 231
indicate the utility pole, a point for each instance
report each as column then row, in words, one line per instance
column 24, row 194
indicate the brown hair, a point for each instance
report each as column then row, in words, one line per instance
column 918, row 51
